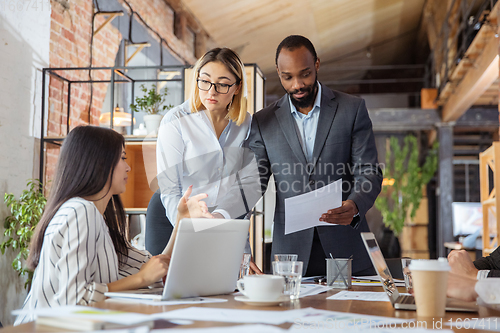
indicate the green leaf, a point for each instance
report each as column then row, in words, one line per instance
column 402, row 165
column 26, row 212
column 151, row 101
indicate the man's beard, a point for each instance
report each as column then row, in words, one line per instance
column 307, row 100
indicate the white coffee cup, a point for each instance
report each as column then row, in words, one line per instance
column 261, row 287
column 430, row 278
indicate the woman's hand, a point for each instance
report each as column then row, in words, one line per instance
column 192, row 207
column 187, row 207
column 153, row 270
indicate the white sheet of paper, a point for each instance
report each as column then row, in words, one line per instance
column 303, row 211
column 227, row 315
column 361, row 296
column 298, row 317
column 228, row 329
column 140, row 329
column 193, row 300
column 373, row 280
column 373, row 283
column 367, row 277
column 312, row 289
column 312, row 320
column 77, row 311
column 331, row 327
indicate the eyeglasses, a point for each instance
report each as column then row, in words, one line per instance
column 221, row 88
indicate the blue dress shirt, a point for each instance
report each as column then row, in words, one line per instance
column 307, row 125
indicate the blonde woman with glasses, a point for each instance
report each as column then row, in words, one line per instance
column 200, row 143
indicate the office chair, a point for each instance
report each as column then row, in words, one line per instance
column 158, row 227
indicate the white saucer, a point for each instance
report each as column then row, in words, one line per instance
column 244, row 299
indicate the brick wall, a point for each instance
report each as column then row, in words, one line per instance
column 70, row 37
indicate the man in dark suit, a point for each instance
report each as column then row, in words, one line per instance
column 310, row 138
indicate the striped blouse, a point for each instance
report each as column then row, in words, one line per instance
column 77, row 260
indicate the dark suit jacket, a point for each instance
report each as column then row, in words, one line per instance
column 344, row 148
column 491, row 263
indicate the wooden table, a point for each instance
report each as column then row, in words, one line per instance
column 318, row 301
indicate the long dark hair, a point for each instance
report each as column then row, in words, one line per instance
column 87, row 160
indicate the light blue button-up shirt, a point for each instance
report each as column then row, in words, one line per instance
column 188, row 153
column 307, row 125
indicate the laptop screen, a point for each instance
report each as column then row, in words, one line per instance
column 380, row 266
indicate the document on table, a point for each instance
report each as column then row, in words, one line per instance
column 298, row 317
column 373, row 280
column 372, row 296
column 312, row 289
column 192, row 300
column 228, row 329
column 139, row 329
column 303, row 211
column 226, row 315
column 334, row 326
column 312, row 320
column 85, row 312
column 374, row 283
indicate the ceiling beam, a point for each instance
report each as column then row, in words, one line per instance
column 477, row 80
column 403, row 119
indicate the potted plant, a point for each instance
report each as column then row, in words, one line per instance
column 20, row 225
column 151, row 103
column 404, row 179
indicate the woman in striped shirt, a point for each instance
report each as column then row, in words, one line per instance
column 79, row 250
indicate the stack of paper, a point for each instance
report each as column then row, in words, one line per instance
column 84, row 318
column 300, row 317
column 360, row 296
column 312, row 289
column 373, row 280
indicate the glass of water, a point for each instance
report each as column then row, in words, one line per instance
column 292, row 272
column 286, row 257
column 245, row 265
column 405, row 263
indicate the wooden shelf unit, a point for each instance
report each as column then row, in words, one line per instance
column 141, row 185
column 414, row 237
column 142, row 178
column 489, row 164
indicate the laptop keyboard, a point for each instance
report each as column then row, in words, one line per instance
column 153, row 291
column 406, row 299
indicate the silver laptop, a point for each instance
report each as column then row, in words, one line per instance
column 205, row 261
column 402, row 302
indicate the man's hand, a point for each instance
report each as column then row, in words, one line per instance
column 342, row 215
column 254, row 269
column 461, row 287
column 461, row 264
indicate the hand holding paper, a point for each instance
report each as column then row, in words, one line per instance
column 304, row 211
column 341, row 215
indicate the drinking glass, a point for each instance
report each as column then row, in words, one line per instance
column 405, row 263
column 292, row 272
column 245, row 265
column 286, row 257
